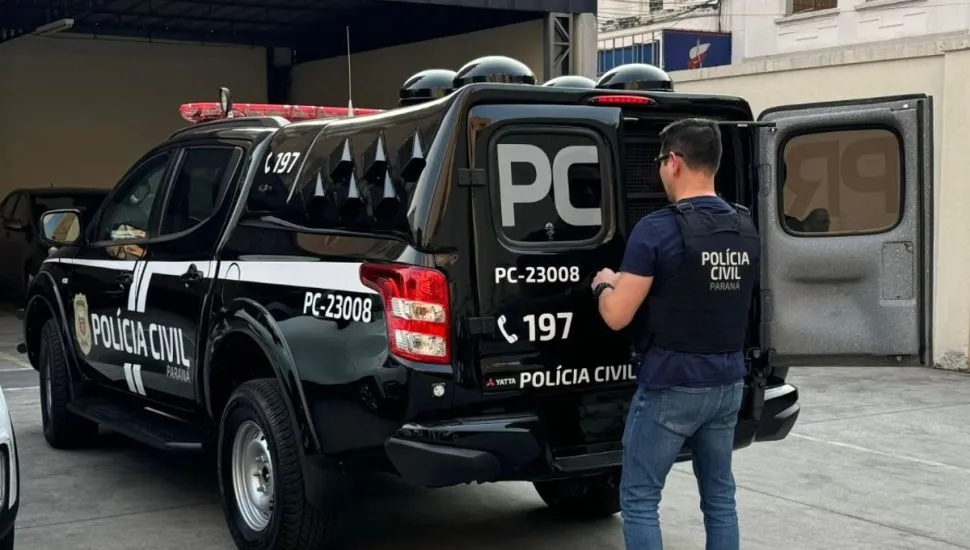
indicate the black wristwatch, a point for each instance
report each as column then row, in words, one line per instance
column 600, row 288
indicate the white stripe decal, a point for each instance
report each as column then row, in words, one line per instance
column 136, row 374
column 340, row 276
column 146, row 279
column 343, row 276
column 133, row 288
column 117, row 265
column 128, row 378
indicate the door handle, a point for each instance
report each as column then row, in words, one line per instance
column 125, row 279
column 192, row 275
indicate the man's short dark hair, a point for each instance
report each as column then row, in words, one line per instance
column 696, row 140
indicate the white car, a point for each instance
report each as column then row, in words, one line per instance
column 9, row 477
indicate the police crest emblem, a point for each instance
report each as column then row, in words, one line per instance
column 82, row 327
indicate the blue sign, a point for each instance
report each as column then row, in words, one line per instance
column 637, row 53
column 684, row 50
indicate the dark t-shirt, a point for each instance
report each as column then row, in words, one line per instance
column 655, row 249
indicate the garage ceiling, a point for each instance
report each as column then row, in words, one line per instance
column 314, row 28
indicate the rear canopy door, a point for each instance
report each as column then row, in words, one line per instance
column 846, row 218
column 544, row 216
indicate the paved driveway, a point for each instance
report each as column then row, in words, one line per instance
column 879, row 460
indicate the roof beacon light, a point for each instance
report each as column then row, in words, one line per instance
column 621, row 100
column 206, row 111
column 225, row 108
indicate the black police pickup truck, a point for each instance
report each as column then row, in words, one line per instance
column 408, row 290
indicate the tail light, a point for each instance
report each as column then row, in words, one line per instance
column 621, row 100
column 417, row 309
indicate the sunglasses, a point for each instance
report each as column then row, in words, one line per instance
column 663, row 158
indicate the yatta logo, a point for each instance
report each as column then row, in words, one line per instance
column 501, row 382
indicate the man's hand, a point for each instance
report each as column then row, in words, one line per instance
column 605, row 275
column 618, row 306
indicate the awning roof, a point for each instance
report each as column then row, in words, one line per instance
column 316, row 28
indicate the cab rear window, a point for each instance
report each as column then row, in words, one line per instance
column 548, row 185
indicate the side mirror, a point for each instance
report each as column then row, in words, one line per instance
column 60, row 227
column 14, row 225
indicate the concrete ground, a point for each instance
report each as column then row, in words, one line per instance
column 879, row 460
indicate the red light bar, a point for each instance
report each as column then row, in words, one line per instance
column 205, row 111
column 621, row 100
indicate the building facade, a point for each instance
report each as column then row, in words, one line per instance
column 765, row 28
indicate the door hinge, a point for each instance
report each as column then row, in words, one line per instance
column 481, row 325
column 471, row 177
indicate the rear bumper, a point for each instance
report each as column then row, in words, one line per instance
column 465, row 451
column 780, row 413
column 485, row 449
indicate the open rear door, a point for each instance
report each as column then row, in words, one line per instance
column 846, row 217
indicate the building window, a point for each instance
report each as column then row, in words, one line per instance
column 656, row 5
column 800, row 6
column 614, row 57
column 841, row 182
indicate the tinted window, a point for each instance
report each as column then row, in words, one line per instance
column 127, row 214
column 21, row 212
column 86, row 203
column 842, row 182
column 200, row 182
column 6, row 210
column 547, row 187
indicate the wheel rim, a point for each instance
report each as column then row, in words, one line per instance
column 252, row 476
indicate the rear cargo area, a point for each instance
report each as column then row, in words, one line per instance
column 643, row 192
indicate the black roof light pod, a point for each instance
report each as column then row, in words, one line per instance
column 636, row 76
column 494, row 68
column 427, row 85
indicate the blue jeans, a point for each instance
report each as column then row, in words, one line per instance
column 659, row 424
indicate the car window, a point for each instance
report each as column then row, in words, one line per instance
column 21, row 212
column 842, row 182
column 200, row 181
column 127, row 214
column 86, row 203
column 6, row 209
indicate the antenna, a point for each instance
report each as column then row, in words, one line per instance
column 350, row 84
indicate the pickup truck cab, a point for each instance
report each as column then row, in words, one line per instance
column 408, row 290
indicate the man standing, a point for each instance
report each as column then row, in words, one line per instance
column 698, row 259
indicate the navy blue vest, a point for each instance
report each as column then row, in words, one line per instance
column 704, row 307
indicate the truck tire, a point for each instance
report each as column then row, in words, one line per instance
column 7, row 542
column 582, row 498
column 261, row 474
column 62, row 428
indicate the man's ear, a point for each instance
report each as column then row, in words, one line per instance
column 676, row 164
